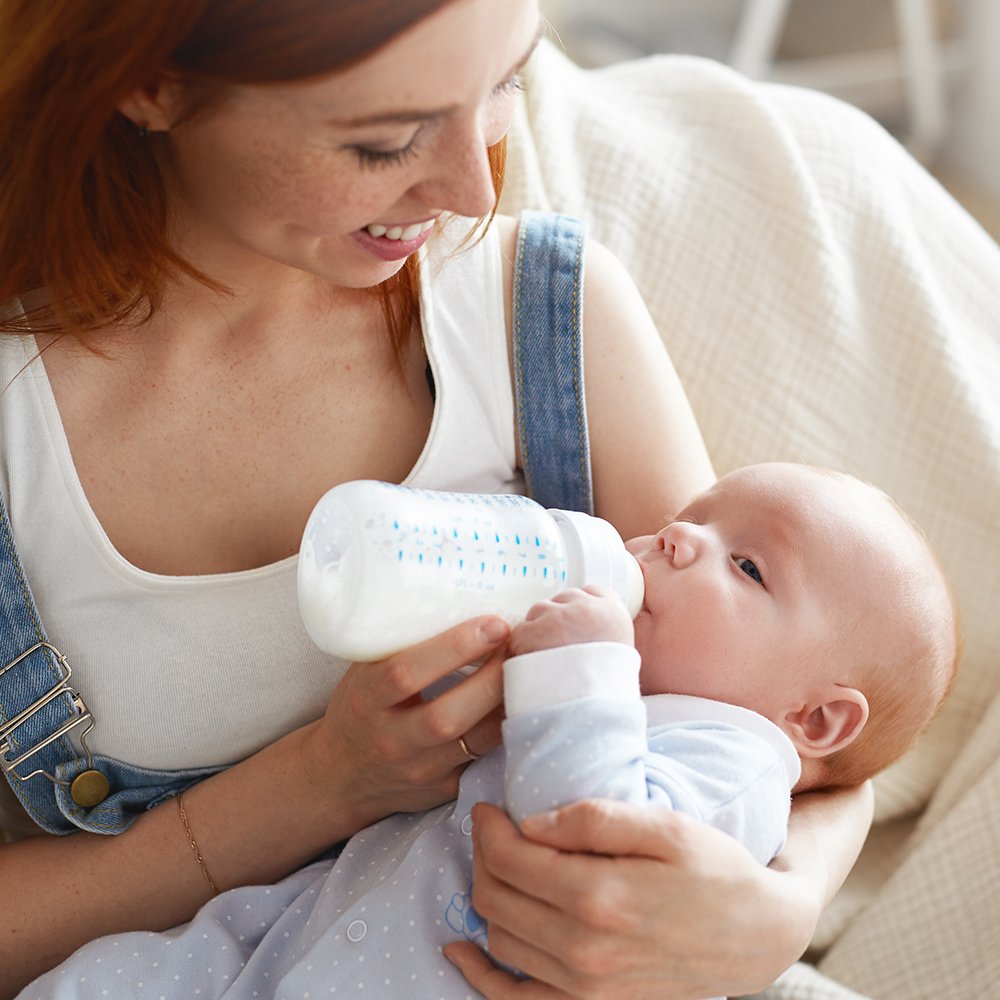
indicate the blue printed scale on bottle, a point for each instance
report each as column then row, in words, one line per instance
column 382, row 567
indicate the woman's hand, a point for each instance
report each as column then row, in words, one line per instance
column 675, row 910
column 381, row 748
column 645, row 925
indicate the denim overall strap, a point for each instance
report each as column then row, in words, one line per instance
column 41, row 717
column 548, row 361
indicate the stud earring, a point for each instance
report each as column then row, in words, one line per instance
column 144, row 128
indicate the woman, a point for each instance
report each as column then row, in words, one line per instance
column 199, row 198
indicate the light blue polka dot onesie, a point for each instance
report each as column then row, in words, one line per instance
column 373, row 922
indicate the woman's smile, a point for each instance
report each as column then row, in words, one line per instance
column 394, row 242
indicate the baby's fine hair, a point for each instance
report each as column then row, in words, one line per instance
column 906, row 677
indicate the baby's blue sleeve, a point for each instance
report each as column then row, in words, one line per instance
column 576, row 728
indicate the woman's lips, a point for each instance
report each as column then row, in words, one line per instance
column 408, row 232
column 395, row 243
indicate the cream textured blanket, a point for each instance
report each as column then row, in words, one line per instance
column 825, row 301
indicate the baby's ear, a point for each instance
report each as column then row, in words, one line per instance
column 828, row 721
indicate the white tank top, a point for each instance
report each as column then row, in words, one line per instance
column 193, row 671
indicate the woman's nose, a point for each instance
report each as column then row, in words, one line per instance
column 682, row 543
column 462, row 177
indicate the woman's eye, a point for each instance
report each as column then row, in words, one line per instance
column 749, row 568
column 511, row 85
column 384, row 158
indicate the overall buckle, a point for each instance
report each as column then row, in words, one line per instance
column 88, row 788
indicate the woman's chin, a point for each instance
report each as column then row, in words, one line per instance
column 356, row 271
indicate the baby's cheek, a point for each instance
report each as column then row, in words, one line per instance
column 654, row 670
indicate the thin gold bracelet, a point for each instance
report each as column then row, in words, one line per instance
column 194, row 846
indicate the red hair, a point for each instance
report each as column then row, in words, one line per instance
column 83, row 208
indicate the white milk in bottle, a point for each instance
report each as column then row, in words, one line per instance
column 382, row 567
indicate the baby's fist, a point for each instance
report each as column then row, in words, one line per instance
column 590, row 614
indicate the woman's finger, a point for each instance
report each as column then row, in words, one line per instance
column 583, row 885
column 405, row 674
column 614, row 847
column 505, row 905
column 463, row 710
column 450, row 758
column 608, row 853
column 557, row 976
column 595, row 826
column 393, row 750
column 471, row 710
column 487, row 734
column 494, row 983
column 550, row 944
column 612, row 919
column 539, row 930
column 576, row 858
column 576, row 959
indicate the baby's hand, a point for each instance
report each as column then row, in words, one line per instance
column 593, row 614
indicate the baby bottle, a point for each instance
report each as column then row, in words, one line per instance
column 382, row 567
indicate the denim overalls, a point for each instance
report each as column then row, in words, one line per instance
column 44, row 722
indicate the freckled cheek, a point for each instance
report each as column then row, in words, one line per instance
column 319, row 197
column 313, row 191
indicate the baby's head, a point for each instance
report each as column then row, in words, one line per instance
column 806, row 596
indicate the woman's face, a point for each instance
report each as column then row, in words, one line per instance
column 320, row 175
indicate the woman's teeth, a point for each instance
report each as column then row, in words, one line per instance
column 399, row 233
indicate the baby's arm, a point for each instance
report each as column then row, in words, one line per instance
column 571, row 688
column 576, row 728
column 590, row 614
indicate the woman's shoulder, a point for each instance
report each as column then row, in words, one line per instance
column 602, row 269
column 506, row 231
column 609, row 291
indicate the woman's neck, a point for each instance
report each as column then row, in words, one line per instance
column 224, row 420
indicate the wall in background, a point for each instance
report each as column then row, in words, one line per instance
column 972, row 149
column 816, row 35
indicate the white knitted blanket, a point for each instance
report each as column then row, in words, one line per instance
column 824, row 301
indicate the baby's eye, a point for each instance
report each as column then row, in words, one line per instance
column 749, row 568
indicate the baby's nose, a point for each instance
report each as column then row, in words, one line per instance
column 682, row 543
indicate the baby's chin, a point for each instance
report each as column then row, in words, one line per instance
column 653, row 682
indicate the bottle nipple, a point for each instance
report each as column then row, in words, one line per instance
column 636, row 586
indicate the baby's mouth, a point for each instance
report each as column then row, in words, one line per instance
column 399, row 232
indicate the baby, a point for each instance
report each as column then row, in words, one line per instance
column 805, row 636
column 798, row 593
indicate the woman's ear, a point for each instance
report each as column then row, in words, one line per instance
column 155, row 106
column 827, row 722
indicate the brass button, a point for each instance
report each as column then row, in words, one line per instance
column 89, row 789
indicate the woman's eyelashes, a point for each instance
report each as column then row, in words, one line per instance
column 512, row 85
column 368, row 157
column 749, row 568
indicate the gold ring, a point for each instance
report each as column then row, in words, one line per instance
column 465, row 749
